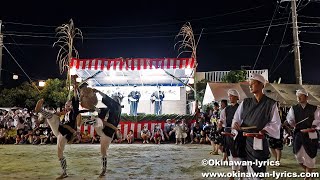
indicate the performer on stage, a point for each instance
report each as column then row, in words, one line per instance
column 234, row 148
column 133, row 100
column 118, row 93
column 65, row 131
column 302, row 117
column 157, row 98
column 106, row 125
column 260, row 112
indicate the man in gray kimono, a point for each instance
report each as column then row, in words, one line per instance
column 260, row 113
column 304, row 116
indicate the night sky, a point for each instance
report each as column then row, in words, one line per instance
column 232, row 36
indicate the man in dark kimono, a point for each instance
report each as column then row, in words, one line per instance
column 261, row 112
column 305, row 144
column 234, row 148
column 106, row 125
column 133, row 100
column 157, row 98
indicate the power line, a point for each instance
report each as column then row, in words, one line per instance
column 265, row 37
column 143, row 37
column 218, row 45
column 283, row 35
column 23, row 44
column 289, row 52
column 28, row 35
column 172, row 23
column 145, row 32
column 311, row 43
column 142, row 25
column 310, row 17
column 27, row 24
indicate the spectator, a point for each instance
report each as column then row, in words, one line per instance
column 197, row 133
column 36, row 136
column 43, row 136
column 85, row 137
column 155, row 130
column 157, row 136
column 167, row 129
column 184, row 130
column 29, row 137
column 3, row 136
column 118, row 137
column 52, row 138
column 130, row 137
column 95, row 139
column 145, row 134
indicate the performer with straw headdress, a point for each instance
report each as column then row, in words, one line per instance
column 65, row 131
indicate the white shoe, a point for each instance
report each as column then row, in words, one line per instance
column 147, row 142
column 144, row 142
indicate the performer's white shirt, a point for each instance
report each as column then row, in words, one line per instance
column 291, row 118
column 273, row 127
column 223, row 117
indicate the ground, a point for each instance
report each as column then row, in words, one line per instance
column 125, row 161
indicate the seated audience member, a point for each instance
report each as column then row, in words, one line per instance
column 130, row 137
column 95, row 139
column 29, row 137
column 145, row 134
column 157, row 136
column 168, row 127
column 52, row 138
column 44, row 136
column 36, row 136
column 155, row 130
column 118, row 138
column 85, row 137
column 198, row 138
column 22, row 140
column 3, row 136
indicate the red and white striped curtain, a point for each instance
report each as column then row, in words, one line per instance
column 125, row 127
column 132, row 63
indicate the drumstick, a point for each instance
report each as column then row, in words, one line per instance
column 302, row 120
column 244, row 128
column 247, row 128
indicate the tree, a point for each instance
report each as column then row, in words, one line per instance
column 235, row 76
column 26, row 95
column 55, row 92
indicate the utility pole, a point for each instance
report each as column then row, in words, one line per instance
column 296, row 43
column 1, row 44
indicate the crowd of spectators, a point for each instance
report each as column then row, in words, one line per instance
column 21, row 126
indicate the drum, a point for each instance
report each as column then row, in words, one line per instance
column 88, row 98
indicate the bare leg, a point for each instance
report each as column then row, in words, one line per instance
column 104, row 145
column 279, row 153
column 273, row 152
column 61, row 142
column 308, row 170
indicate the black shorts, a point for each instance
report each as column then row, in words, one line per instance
column 108, row 131
column 275, row 143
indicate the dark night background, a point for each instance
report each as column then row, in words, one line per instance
column 232, row 36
